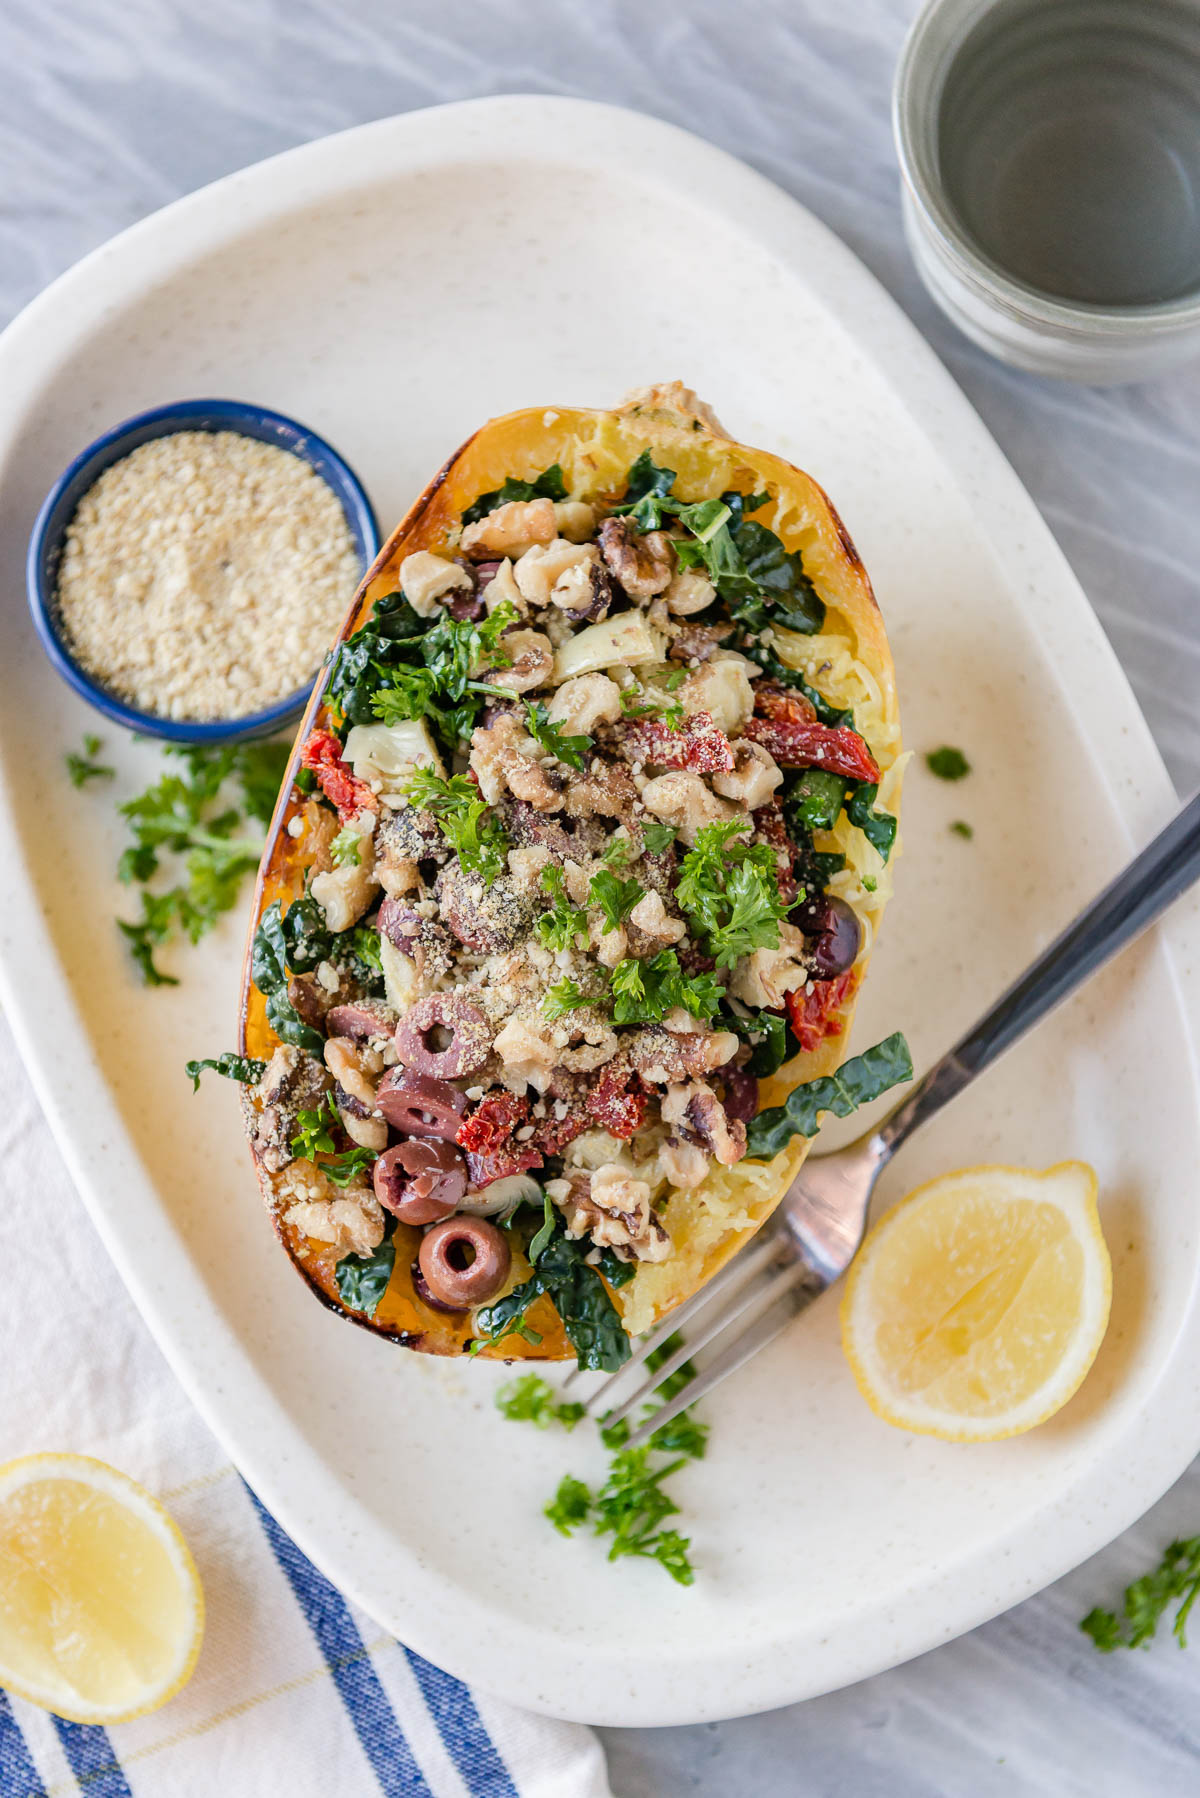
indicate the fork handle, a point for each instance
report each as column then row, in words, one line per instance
column 1139, row 895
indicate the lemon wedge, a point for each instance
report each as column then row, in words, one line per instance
column 101, row 1608
column 976, row 1306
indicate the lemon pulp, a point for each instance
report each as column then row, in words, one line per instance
column 977, row 1305
column 101, row 1612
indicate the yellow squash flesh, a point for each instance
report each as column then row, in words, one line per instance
column 848, row 660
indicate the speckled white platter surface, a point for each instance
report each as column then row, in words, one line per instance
column 393, row 287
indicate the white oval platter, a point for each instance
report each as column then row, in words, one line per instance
column 393, row 287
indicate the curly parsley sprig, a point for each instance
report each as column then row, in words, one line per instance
column 729, row 891
column 475, row 834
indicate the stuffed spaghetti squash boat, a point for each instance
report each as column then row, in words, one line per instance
column 567, row 898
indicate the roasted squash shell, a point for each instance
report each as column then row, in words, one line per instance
column 848, row 659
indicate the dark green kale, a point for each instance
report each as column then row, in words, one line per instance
column 589, row 1317
column 245, row 1068
column 362, row 1280
column 547, row 485
column 856, row 1083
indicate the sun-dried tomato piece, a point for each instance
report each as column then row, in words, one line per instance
column 617, row 1102
column 786, row 724
column 488, row 1134
column 696, row 745
column 816, row 1011
column 839, row 749
column 336, row 779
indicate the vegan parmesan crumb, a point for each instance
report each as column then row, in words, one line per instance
column 204, row 574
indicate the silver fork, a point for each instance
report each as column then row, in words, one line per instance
column 814, row 1234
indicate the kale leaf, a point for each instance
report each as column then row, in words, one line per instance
column 547, row 485
column 856, row 1083
column 362, row 1280
column 589, row 1317
column 268, row 971
column 245, row 1068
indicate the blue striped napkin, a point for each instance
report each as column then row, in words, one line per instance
column 296, row 1691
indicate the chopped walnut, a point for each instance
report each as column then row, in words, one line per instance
column 766, row 976
column 683, row 1164
column 683, row 800
column 426, row 578
column 291, row 1082
column 643, row 564
column 689, row 591
column 510, row 530
column 540, row 570
column 695, row 1114
column 575, row 519
column 650, row 927
column 503, row 588
column 604, row 791
column 583, row 702
column 344, row 893
column 503, row 756
column 721, row 688
column 345, row 1062
column 755, row 776
column 531, row 664
column 351, row 1223
column 614, row 1210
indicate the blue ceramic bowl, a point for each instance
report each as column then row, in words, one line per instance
column 58, row 509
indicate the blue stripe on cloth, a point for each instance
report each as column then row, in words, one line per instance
column 93, row 1762
column 375, row 1722
column 18, row 1775
column 467, row 1741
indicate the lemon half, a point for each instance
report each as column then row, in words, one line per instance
column 101, row 1608
column 976, row 1306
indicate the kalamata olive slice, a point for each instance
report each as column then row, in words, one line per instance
column 420, row 1181
column 836, row 943
column 418, row 1105
column 444, row 1035
column 365, row 1019
column 464, row 606
column 400, row 924
column 741, row 1094
column 421, row 1291
column 465, row 1261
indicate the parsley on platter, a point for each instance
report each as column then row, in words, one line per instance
column 1176, row 1580
column 192, row 815
column 85, row 767
column 530, row 1399
column 947, row 763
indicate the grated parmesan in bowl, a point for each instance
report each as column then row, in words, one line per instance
column 189, row 580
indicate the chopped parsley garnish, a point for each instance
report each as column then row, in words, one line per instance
column 530, row 1399
column 615, row 897
column 564, row 924
column 631, row 1505
column 562, row 997
column 570, row 750
column 645, row 702
column 190, row 815
column 82, row 768
column 345, row 847
column 644, row 991
column 1176, row 1580
column 245, row 1068
column 547, row 485
column 314, row 1136
column 620, row 851
column 476, row 836
column 961, row 828
column 656, row 836
column 947, row 763
column 856, row 1083
column 730, row 892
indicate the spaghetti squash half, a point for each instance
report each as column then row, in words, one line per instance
column 585, row 842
